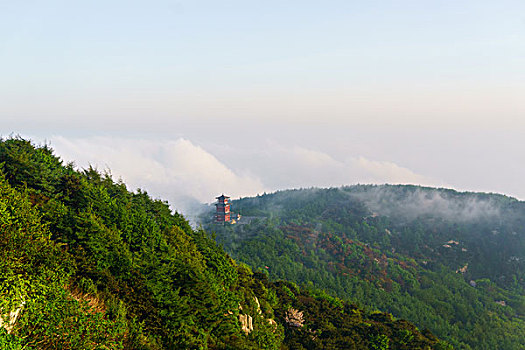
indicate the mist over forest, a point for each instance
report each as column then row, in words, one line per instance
column 453, row 262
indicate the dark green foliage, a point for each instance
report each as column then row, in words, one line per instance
column 35, row 275
column 340, row 325
column 160, row 283
column 90, row 265
column 401, row 249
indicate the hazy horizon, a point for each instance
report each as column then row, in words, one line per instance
column 197, row 98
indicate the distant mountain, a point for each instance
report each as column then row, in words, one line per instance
column 86, row 264
column 448, row 261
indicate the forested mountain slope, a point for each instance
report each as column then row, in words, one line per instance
column 87, row 264
column 453, row 262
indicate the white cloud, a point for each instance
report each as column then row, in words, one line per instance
column 181, row 171
column 282, row 166
column 388, row 172
column 172, row 170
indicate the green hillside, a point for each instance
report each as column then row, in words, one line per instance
column 87, row 264
column 448, row 261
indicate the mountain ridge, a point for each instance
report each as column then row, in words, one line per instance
column 87, row 264
column 447, row 260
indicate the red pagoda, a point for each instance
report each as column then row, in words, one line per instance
column 222, row 206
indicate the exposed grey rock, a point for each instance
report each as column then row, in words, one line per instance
column 294, row 318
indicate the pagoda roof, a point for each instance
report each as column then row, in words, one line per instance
column 222, row 197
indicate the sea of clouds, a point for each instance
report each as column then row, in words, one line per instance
column 185, row 173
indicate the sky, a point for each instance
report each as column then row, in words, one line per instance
column 191, row 99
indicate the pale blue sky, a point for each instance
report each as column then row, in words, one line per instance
column 65, row 48
column 391, row 81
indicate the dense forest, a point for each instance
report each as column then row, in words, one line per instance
column 87, row 264
column 448, row 261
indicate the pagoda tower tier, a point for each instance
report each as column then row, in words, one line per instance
column 222, row 209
